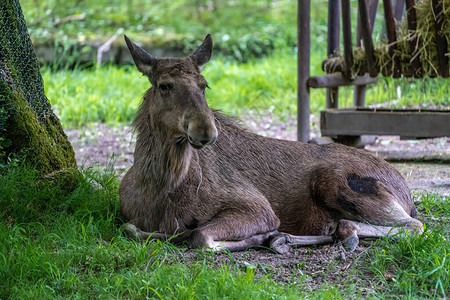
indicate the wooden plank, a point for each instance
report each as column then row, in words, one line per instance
column 335, row 80
column 303, row 64
column 359, row 95
column 405, row 123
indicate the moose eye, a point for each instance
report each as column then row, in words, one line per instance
column 165, row 88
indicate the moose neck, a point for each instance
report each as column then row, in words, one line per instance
column 161, row 163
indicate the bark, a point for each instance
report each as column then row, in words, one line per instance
column 28, row 126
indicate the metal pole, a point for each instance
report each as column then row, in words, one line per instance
column 303, row 63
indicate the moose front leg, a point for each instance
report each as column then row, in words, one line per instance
column 282, row 242
column 242, row 245
column 136, row 234
column 235, row 230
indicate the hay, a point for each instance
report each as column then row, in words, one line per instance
column 426, row 49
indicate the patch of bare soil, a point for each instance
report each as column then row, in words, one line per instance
column 309, row 268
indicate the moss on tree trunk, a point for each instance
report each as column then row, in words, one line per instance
column 28, row 126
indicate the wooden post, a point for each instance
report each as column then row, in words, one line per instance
column 347, row 35
column 441, row 42
column 359, row 92
column 392, row 36
column 303, row 64
column 373, row 7
column 413, row 44
column 366, row 30
column 334, row 6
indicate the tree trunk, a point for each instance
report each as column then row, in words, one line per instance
column 28, row 126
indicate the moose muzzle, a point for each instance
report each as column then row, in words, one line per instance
column 201, row 133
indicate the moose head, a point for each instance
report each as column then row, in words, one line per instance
column 176, row 103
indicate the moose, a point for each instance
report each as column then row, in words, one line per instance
column 201, row 177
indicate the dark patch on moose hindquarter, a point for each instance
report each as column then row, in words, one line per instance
column 362, row 185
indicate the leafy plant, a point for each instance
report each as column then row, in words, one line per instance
column 245, row 29
column 112, row 94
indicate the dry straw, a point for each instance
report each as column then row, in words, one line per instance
column 425, row 49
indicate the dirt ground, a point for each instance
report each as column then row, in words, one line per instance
column 311, row 267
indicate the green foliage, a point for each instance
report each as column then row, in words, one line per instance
column 265, row 84
column 106, row 94
column 112, row 94
column 59, row 245
column 434, row 207
column 55, row 244
column 420, row 264
column 244, row 28
column 260, row 33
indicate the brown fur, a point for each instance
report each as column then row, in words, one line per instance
column 241, row 185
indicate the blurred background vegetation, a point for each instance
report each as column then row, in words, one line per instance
column 253, row 67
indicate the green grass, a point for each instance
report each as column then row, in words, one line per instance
column 420, row 264
column 112, row 94
column 106, row 94
column 56, row 245
column 69, row 245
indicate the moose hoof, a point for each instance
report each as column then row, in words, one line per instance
column 281, row 243
column 132, row 231
column 347, row 233
column 350, row 243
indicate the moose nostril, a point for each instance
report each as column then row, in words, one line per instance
column 204, row 141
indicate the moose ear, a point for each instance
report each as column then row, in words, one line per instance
column 203, row 53
column 143, row 61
